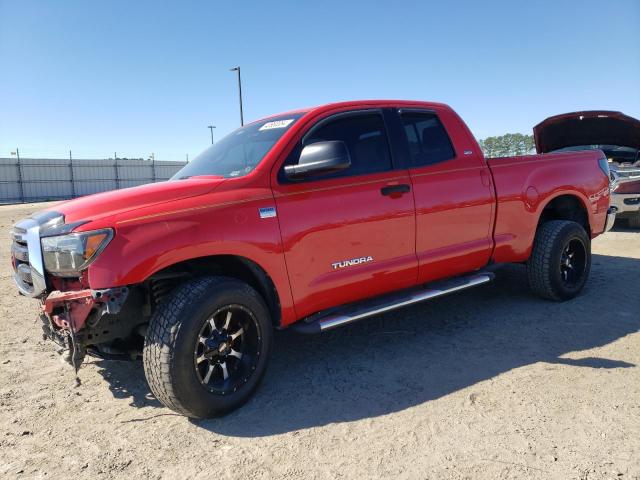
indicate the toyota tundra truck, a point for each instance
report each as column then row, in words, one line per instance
column 310, row 219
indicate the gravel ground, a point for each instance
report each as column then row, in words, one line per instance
column 489, row 383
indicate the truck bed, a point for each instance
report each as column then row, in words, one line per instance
column 524, row 185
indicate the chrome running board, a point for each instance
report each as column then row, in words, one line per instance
column 337, row 317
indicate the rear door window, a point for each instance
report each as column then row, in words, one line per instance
column 428, row 141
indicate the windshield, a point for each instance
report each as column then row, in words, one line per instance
column 239, row 152
column 615, row 153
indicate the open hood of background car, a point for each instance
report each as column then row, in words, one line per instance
column 587, row 128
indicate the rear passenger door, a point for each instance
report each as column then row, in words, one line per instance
column 453, row 194
column 351, row 234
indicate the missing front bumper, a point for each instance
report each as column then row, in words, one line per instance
column 49, row 332
column 69, row 318
column 72, row 310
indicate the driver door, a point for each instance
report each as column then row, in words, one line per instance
column 351, row 234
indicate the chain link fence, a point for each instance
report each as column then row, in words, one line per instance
column 42, row 179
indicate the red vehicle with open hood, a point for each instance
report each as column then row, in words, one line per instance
column 310, row 219
column 614, row 133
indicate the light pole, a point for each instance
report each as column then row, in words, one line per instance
column 237, row 69
column 211, row 127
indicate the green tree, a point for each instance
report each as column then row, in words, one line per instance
column 507, row 145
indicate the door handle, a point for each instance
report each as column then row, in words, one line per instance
column 395, row 189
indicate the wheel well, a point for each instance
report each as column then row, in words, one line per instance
column 161, row 283
column 566, row 207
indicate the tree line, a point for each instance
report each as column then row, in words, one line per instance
column 507, row 145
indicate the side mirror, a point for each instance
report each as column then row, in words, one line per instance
column 320, row 158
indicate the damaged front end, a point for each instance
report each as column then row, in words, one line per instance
column 50, row 262
column 81, row 319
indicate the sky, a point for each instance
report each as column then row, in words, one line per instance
column 143, row 77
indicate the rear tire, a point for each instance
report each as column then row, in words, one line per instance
column 207, row 347
column 559, row 264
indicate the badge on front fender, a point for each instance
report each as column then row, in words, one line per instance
column 352, row 262
column 267, row 212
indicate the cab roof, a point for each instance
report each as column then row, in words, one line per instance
column 359, row 103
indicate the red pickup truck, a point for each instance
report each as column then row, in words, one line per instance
column 310, row 219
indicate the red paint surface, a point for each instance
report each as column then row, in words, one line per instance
column 443, row 227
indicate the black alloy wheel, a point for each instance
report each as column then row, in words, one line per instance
column 573, row 263
column 226, row 352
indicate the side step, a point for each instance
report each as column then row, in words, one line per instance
column 350, row 313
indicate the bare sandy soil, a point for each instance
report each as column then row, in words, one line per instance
column 490, row 383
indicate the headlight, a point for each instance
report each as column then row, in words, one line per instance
column 68, row 255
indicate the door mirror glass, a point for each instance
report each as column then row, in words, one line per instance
column 320, row 158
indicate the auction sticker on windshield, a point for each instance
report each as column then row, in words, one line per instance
column 276, row 124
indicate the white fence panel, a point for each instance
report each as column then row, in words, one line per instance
column 39, row 179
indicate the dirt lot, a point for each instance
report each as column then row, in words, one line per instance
column 490, row 383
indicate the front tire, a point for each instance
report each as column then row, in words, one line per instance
column 560, row 262
column 207, row 347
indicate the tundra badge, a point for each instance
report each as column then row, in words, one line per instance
column 353, row 261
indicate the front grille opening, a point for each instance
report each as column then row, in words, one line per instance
column 24, row 273
column 20, row 254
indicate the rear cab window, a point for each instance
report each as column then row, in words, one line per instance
column 427, row 138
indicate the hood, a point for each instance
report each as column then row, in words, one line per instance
column 598, row 127
column 100, row 205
